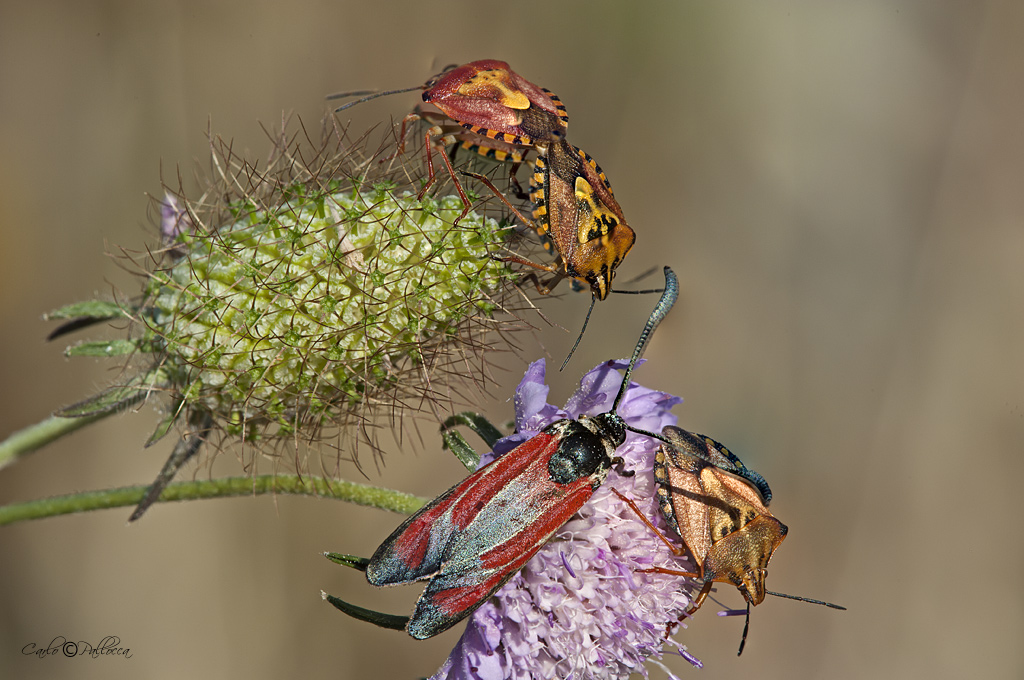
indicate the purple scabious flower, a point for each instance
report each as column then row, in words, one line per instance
column 580, row 608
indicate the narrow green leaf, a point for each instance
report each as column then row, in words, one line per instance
column 102, row 348
column 461, row 448
column 165, row 425
column 88, row 309
column 185, row 449
column 476, row 422
column 116, row 398
column 351, row 561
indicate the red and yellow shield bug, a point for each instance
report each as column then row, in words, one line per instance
column 474, row 537
column 719, row 507
column 500, row 114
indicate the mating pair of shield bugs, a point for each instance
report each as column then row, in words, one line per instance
column 498, row 113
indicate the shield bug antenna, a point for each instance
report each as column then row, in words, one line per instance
column 719, row 507
column 478, row 534
column 370, row 94
column 495, row 111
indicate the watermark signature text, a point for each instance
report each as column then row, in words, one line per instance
column 61, row 646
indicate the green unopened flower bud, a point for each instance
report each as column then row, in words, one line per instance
column 323, row 299
column 303, row 301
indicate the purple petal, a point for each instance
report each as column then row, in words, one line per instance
column 691, row 658
column 174, row 220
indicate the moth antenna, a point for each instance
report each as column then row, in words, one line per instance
column 638, row 292
column 579, row 337
column 653, row 435
column 668, row 298
column 373, row 95
column 746, row 628
column 805, row 599
column 641, row 276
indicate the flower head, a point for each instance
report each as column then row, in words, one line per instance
column 306, row 299
column 320, row 291
column 580, row 608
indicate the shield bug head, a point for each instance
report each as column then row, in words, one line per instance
column 719, row 507
column 474, row 537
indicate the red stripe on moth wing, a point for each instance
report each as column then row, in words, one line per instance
column 449, row 598
column 418, row 548
column 414, row 550
column 453, row 600
column 406, row 555
column 518, row 518
column 496, row 480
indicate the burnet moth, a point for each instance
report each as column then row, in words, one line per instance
column 719, row 507
column 474, row 537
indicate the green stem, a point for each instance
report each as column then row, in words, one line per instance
column 360, row 494
column 42, row 433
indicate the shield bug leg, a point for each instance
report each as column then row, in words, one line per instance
column 431, row 177
column 544, row 287
column 676, row 550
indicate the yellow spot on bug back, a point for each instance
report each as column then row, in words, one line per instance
column 497, row 82
column 595, row 221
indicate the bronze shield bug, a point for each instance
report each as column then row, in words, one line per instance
column 473, row 538
column 719, row 507
column 500, row 114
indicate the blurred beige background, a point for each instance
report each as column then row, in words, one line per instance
column 839, row 185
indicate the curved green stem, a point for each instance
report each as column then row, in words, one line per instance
column 42, row 433
column 360, row 494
